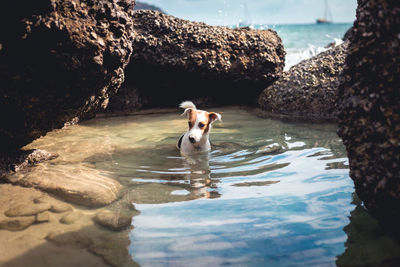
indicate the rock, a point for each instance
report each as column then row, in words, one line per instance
column 113, row 220
column 71, row 217
column 59, row 60
column 42, row 217
column 60, row 207
column 17, row 223
column 369, row 117
column 27, row 209
column 80, row 187
column 20, row 160
column 347, row 34
column 176, row 59
column 56, row 206
column 309, row 89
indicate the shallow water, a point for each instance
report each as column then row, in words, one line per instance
column 270, row 193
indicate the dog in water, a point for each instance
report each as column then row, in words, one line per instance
column 197, row 136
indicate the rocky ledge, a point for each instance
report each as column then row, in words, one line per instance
column 59, row 60
column 175, row 59
column 309, row 89
column 369, row 119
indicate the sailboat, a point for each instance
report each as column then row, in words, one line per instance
column 327, row 19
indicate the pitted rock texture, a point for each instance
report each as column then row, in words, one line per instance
column 59, row 60
column 309, row 89
column 176, row 59
column 369, row 119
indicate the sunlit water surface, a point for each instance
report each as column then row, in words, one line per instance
column 269, row 193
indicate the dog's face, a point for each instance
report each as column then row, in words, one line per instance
column 199, row 124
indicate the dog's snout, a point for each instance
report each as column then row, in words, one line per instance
column 191, row 139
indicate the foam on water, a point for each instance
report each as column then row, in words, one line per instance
column 304, row 41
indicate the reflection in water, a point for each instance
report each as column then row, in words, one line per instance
column 269, row 193
column 367, row 245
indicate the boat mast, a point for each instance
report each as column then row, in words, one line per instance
column 328, row 14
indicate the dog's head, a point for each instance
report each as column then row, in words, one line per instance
column 199, row 123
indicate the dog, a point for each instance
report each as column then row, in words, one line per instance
column 196, row 139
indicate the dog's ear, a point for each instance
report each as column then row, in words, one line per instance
column 214, row 116
column 187, row 112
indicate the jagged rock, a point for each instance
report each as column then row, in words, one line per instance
column 17, row 223
column 175, row 59
column 29, row 209
column 59, row 60
column 369, row 118
column 309, row 89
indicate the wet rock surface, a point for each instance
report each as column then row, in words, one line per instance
column 78, row 187
column 21, row 160
column 369, row 118
column 175, row 59
column 309, row 89
column 59, row 60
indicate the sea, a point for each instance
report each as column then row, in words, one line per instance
column 303, row 41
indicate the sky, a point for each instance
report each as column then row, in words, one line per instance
column 230, row 12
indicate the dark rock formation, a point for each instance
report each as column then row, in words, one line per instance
column 18, row 161
column 309, row 88
column 59, row 60
column 347, row 34
column 176, row 59
column 369, row 119
column 141, row 5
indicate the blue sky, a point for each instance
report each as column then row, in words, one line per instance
column 230, row 12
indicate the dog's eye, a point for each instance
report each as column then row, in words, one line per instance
column 201, row 125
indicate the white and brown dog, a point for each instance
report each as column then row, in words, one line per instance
column 197, row 137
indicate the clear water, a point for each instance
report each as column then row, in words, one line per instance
column 270, row 193
column 242, row 203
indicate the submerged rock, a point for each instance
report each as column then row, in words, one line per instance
column 175, row 59
column 78, row 187
column 309, row 89
column 369, row 118
column 17, row 223
column 115, row 221
column 59, row 60
column 27, row 209
column 71, row 217
column 42, row 217
column 56, row 205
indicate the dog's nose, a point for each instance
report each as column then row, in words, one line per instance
column 191, row 139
